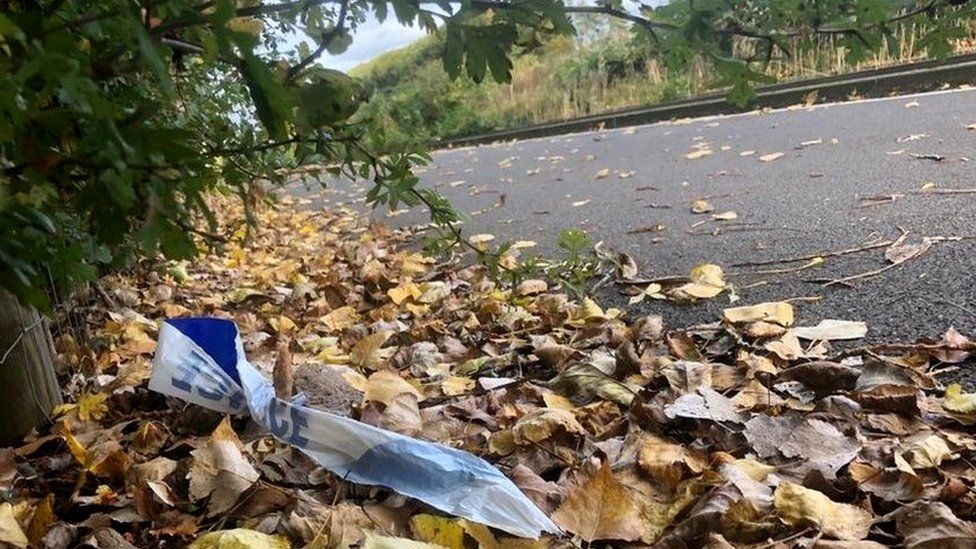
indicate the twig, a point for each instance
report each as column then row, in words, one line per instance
column 864, row 248
column 812, row 263
column 957, row 306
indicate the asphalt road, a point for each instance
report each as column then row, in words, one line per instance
column 808, row 201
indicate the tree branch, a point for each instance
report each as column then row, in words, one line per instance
column 327, row 39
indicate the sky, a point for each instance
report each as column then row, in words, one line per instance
column 373, row 38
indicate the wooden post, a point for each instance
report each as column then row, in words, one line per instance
column 28, row 385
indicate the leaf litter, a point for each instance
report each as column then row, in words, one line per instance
column 622, row 429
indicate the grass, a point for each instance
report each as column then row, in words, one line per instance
column 414, row 100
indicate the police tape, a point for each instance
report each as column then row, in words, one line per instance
column 201, row 360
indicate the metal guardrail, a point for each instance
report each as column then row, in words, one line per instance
column 913, row 77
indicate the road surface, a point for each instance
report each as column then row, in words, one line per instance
column 809, row 200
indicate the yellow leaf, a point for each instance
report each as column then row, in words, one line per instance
column 756, row 470
column 725, row 216
column 92, row 406
column 282, row 324
column 929, row 185
column 340, row 318
column 404, row 292
column 385, row 386
column 41, row 520
column 602, row 174
column 700, row 206
column 602, row 508
column 457, row 385
column 240, row 538
column 779, row 312
column 961, row 405
column 694, row 155
column 558, row 402
column 366, row 352
column 707, row 281
column 589, row 309
column 928, row 453
column 442, row 531
column 707, row 273
column 414, row 264
column 799, row 506
column 10, row 531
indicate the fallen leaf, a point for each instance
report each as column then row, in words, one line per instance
column 377, row 541
column 652, row 291
column 771, row 157
column 10, row 531
column 779, row 312
column 707, row 404
column 799, row 506
column 932, row 525
column 367, row 352
column 960, row 405
column 698, row 153
column 239, row 538
column 438, row 531
column 602, row 174
column 707, row 281
column 927, row 453
column 219, row 470
column 41, row 521
column 832, row 330
column 725, row 216
column 542, row 424
column 700, row 206
column 820, row 446
column 602, row 508
column 341, row 318
column 889, row 484
column 457, row 385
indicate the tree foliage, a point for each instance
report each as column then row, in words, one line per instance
column 118, row 117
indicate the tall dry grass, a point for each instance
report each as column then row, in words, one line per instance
column 537, row 93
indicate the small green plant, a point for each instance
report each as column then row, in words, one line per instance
column 578, row 264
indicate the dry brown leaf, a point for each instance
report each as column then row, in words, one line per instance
column 219, row 470
column 602, row 508
column 771, row 157
column 932, row 525
column 889, row 483
column 543, row 423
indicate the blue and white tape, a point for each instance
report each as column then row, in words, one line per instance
column 201, row 360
